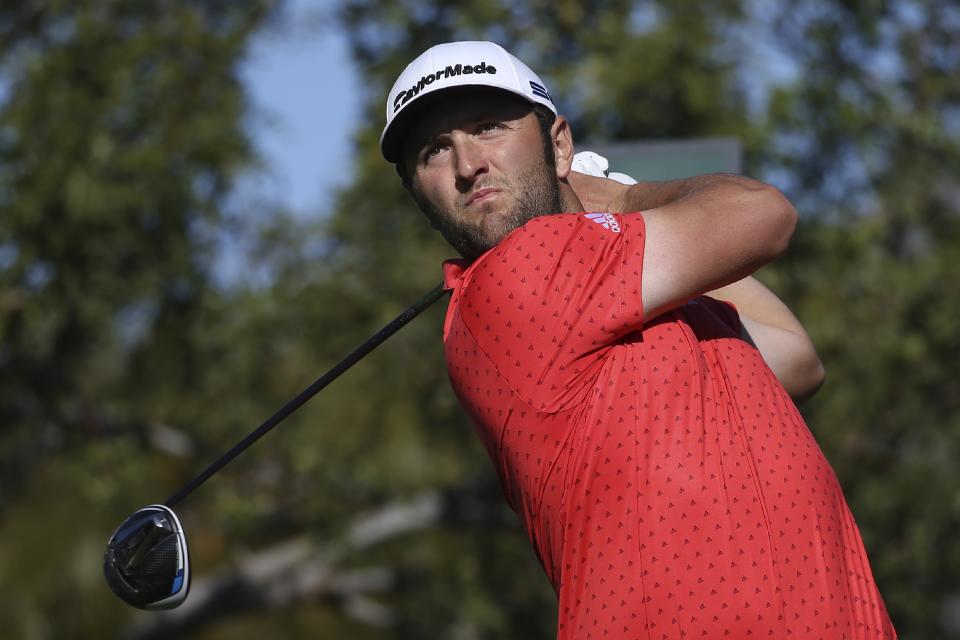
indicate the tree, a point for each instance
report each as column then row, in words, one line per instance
column 866, row 141
column 121, row 129
column 125, row 365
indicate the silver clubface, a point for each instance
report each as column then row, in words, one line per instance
column 147, row 563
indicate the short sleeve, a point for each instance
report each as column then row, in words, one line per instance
column 553, row 297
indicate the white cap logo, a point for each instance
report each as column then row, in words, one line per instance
column 456, row 64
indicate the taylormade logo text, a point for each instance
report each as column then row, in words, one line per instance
column 450, row 71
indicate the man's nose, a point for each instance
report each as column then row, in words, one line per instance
column 470, row 161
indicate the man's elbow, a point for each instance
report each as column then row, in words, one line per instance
column 779, row 217
column 808, row 380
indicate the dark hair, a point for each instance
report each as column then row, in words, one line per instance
column 545, row 118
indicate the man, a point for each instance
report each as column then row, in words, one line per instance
column 665, row 478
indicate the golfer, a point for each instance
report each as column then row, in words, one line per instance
column 630, row 382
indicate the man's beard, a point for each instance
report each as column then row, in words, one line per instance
column 538, row 194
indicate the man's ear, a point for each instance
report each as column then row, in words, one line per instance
column 562, row 139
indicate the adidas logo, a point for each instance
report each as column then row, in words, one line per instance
column 605, row 220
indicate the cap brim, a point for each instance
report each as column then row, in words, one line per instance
column 391, row 145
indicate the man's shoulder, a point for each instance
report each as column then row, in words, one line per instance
column 574, row 242
column 527, row 250
column 601, row 222
column 543, row 227
column 544, row 234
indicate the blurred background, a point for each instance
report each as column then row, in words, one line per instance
column 195, row 222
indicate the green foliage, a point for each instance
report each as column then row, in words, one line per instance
column 120, row 134
column 869, row 141
column 124, row 367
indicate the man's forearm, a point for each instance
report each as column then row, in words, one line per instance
column 602, row 194
column 714, row 230
column 777, row 334
column 651, row 195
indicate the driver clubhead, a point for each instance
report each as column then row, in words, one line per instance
column 147, row 563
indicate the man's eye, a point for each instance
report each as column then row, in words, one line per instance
column 488, row 126
column 434, row 150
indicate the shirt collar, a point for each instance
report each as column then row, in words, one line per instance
column 453, row 271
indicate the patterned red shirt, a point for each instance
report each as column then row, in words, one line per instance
column 666, row 480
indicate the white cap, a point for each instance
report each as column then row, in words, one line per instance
column 455, row 64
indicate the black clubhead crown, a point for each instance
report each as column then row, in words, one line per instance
column 147, row 563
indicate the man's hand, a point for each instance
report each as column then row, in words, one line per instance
column 598, row 193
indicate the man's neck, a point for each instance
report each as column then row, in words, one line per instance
column 571, row 203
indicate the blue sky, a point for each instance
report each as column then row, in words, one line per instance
column 307, row 104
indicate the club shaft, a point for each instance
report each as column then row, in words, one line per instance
column 395, row 325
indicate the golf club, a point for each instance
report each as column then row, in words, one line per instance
column 147, row 563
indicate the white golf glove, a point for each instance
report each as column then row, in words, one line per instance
column 593, row 164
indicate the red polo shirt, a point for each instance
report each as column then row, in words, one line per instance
column 666, row 480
